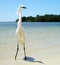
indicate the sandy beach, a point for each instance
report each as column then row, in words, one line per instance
column 47, row 57
column 36, row 56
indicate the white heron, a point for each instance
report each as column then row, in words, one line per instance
column 20, row 33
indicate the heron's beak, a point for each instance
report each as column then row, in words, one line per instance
column 24, row 7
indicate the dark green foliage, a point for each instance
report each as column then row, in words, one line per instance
column 17, row 20
column 45, row 18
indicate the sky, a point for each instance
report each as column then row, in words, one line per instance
column 8, row 8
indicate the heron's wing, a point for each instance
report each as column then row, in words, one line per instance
column 21, row 36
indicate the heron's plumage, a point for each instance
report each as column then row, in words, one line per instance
column 20, row 33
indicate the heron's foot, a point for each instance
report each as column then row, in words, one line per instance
column 25, row 58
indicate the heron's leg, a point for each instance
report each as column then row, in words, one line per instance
column 24, row 52
column 17, row 51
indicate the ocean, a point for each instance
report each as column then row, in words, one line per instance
column 39, row 36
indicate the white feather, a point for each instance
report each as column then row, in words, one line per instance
column 20, row 33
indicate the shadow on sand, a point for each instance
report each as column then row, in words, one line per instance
column 31, row 59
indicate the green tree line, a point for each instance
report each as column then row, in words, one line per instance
column 41, row 18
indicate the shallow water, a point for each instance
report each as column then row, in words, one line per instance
column 39, row 37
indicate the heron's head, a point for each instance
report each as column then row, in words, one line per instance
column 20, row 8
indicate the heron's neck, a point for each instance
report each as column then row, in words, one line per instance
column 20, row 16
column 20, row 19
